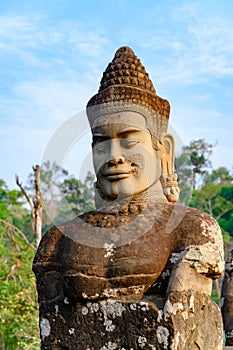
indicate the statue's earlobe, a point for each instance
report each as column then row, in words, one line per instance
column 168, row 177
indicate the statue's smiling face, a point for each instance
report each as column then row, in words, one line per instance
column 124, row 159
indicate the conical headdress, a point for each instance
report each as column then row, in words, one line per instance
column 125, row 85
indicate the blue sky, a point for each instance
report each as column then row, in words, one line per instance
column 53, row 54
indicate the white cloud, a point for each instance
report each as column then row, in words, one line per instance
column 54, row 66
column 199, row 49
column 45, row 83
column 47, row 79
column 38, row 41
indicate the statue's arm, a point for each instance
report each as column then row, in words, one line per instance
column 198, row 264
column 188, row 303
column 184, row 277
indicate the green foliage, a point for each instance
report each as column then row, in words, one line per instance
column 183, row 168
column 193, row 161
column 219, row 176
column 19, row 323
column 12, row 209
column 215, row 297
column 64, row 196
column 214, row 195
column 19, row 328
column 78, row 195
column 216, row 198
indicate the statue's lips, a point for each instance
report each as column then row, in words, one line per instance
column 117, row 174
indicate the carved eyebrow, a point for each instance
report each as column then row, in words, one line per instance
column 119, row 133
column 129, row 129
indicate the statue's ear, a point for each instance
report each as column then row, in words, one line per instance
column 168, row 177
column 167, row 154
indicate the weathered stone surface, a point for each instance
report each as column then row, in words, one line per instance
column 183, row 323
column 227, row 299
column 75, row 269
column 197, row 321
column 73, row 280
column 104, row 325
column 136, row 273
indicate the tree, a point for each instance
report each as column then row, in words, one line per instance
column 216, row 198
column 12, row 208
column 79, row 194
column 17, row 283
column 226, row 220
column 19, row 325
column 35, row 204
column 196, row 156
column 184, row 171
column 64, row 196
column 220, row 176
column 51, row 177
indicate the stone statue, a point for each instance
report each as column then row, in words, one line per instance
column 227, row 299
column 137, row 272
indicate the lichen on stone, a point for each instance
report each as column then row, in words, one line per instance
column 109, row 346
column 109, row 326
column 160, row 315
column 142, row 341
column 144, row 306
column 45, row 328
column 84, row 311
column 95, row 307
column 71, row 331
column 109, row 248
column 162, row 335
column 133, row 306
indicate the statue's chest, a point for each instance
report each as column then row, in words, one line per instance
column 112, row 270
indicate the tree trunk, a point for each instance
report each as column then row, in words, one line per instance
column 37, row 201
column 194, row 179
column 36, row 206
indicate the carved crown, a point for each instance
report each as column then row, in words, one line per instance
column 126, row 82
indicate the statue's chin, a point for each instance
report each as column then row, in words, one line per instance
column 124, row 192
column 123, row 196
column 117, row 190
column 117, row 197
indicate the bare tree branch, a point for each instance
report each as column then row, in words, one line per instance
column 17, row 230
column 37, row 201
column 24, row 193
column 35, row 204
column 223, row 213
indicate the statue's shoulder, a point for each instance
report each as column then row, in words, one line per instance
column 198, row 226
column 201, row 240
column 54, row 241
column 202, row 224
column 191, row 222
column 54, row 238
column 49, row 249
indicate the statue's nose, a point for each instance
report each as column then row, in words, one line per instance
column 115, row 155
column 116, row 160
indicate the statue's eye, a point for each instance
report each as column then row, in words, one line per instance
column 100, row 143
column 100, row 147
column 129, row 143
